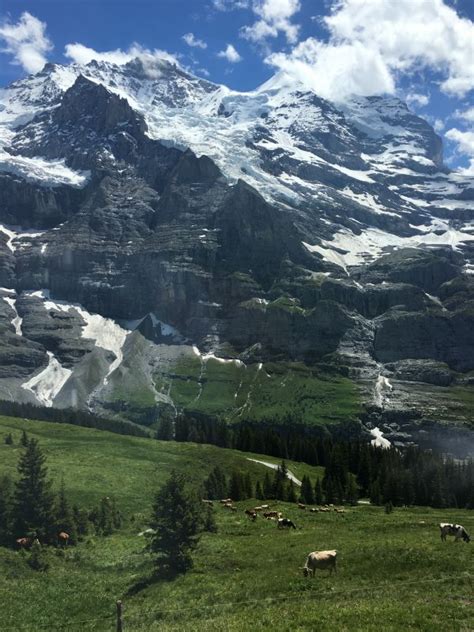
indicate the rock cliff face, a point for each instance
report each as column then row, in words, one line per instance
column 162, row 236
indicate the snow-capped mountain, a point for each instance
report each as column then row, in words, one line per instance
column 263, row 226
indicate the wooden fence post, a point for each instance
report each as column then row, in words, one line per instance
column 119, row 617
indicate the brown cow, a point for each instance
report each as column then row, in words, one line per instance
column 272, row 514
column 251, row 514
column 301, row 506
column 63, row 538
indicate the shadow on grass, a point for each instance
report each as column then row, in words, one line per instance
column 159, row 575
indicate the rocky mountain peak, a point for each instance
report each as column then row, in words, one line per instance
column 90, row 105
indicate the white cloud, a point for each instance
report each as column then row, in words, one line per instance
column 439, row 125
column 336, row 72
column 464, row 141
column 230, row 5
column 387, row 38
column 274, row 16
column 150, row 59
column 193, row 41
column 26, row 41
column 465, row 115
column 230, row 54
column 415, row 99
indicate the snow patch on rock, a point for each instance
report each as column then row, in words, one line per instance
column 47, row 384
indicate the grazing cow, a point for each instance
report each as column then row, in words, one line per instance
column 285, row 523
column 265, row 506
column 208, row 502
column 337, row 510
column 257, row 509
column 225, row 501
column 314, row 510
column 228, row 505
column 63, row 538
column 272, row 514
column 251, row 514
column 320, row 560
column 457, row 530
column 301, row 506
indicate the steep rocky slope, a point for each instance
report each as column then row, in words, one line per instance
column 167, row 243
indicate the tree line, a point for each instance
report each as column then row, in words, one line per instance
column 72, row 416
column 412, row 476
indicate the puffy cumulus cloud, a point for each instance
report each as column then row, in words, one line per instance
column 415, row 99
column 464, row 141
column 150, row 59
column 274, row 16
column 390, row 38
column 230, row 54
column 336, row 72
column 26, row 41
column 191, row 40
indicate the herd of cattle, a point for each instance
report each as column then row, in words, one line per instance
column 324, row 560
column 27, row 543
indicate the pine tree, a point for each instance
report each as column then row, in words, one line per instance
column 307, row 491
column 248, row 486
column 24, row 439
column 106, row 517
column 318, row 492
column 329, row 492
column 38, row 559
column 278, row 487
column 259, row 491
column 282, row 471
column 6, row 511
column 267, row 486
column 352, row 493
column 64, row 516
column 9, row 439
column 34, row 501
column 177, row 521
column 81, row 521
column 210, row 524
column 216, row 484
column 291, row 493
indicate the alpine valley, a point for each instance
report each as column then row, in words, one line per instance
column 168, row 244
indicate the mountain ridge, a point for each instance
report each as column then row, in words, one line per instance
column 246, row 227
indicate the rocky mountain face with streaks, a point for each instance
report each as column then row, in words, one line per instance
column 168, row 244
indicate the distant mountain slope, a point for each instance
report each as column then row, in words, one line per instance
column 154, row 221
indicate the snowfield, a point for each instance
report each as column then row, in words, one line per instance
column 47, row 384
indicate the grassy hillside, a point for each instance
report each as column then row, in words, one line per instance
column 271, row 391
column 394, row 573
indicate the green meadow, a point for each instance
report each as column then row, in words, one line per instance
column 394, row 573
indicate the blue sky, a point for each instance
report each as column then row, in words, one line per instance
column 420, row 50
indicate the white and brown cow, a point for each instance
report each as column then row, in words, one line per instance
column 457, row 530
column 323, row 560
